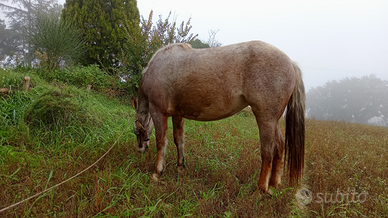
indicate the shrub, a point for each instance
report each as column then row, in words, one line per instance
column 83, row 76
column 52, row 107
column 53, row 42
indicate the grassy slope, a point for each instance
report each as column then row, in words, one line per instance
column 223, row 162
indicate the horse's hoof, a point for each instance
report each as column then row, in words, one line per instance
column 260, row 193
column 181, row 170
column 257, row 194
column 269, row 192
column 155, row 177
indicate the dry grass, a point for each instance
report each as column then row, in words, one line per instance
column 349, row 159
column 223, row 163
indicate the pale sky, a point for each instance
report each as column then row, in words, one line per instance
column 329, row 39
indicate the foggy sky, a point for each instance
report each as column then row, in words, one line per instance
column 329, row 39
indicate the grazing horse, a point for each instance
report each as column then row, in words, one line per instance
column 215, row 83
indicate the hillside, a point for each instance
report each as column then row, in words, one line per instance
column 56, row 129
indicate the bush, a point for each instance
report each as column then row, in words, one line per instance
column 53, row 42
column 52, row 107
column 83, row 76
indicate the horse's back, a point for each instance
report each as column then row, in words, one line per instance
column 214, row 83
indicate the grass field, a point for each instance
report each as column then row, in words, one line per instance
column 346, row 168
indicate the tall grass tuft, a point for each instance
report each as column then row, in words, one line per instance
column 53, row 42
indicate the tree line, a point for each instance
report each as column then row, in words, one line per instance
column 356, row 100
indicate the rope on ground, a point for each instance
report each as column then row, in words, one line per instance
column 76, row 175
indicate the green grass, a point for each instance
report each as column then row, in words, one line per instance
column 223, row 164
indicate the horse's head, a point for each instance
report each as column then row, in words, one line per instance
column 142, row 128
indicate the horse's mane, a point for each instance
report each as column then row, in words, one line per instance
column 182, row 46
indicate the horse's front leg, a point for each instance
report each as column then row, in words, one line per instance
column 179, row 140
column 160, row 123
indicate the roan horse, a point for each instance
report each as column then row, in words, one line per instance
column 215, row 83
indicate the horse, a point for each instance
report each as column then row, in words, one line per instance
column 215, row 83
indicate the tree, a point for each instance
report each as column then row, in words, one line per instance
column 21, row 14
column 8, row 41
column 101, row 24
column 143, row 42
column 360, row 100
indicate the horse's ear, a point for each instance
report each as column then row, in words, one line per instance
column 135, row 103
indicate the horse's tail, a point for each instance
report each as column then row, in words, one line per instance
column 295, row 129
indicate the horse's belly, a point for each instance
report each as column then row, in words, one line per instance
column 211, row 110
column 210, row 116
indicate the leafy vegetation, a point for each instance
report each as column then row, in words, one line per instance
column 223, row 161
column 101, row 24
column 142, row 43
column 199, row 44
column 21, row 14
column 53, row 42
column 112, row 35
column 83, row 76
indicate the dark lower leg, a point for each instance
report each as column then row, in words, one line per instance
column 278, row 161
column 179, row 139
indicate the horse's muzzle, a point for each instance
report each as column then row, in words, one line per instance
column 143, row 146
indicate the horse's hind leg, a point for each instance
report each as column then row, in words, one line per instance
column 268, row 143
column 179, row 140
column 278, row 160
